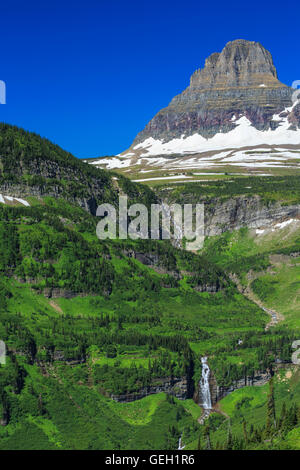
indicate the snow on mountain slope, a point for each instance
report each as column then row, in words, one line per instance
column 14, row 200
column 234, row 113
column 245, row 146
column 244, row 135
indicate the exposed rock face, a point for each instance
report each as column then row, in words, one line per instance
column 239, row 81
column 241, row 63
column 92, row 192
column 294, row 117
column 57, row 293
column 38, row 168
column 175, row 386
column 217, row 392
column 233, row 213
column 153, row 261
column 243, row 211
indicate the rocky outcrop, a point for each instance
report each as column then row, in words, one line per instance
column 232, row 213
column 57, row 293
column 32, row 166
column 86, row 191
column 243, row 211
column 176, row 386
column 294, row 116
column 240, row 81
column 218, row 392
column 153, row 261
column 240, row 64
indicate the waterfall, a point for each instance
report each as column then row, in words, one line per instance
column 180, row 446
column 204, row 385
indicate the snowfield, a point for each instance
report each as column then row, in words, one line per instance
column 278, row 226
column 163, row 178
column 241, row 147
column 112, row 163
column 4, row 199
column 243, row 135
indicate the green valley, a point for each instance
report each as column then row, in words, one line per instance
column 104, row 338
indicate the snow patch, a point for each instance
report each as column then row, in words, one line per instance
column 285, row 224
column 22, row 201
column 243, row 135
column 12, row 199
column 163, row 178
column 111, row 163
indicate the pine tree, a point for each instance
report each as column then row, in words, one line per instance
column 291, row 418
column 282, row 415
column 229, row 445
column 199, row 443
column 245, row 432
column 207, row 436
column 271, row 416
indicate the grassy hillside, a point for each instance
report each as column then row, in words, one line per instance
column 266, row 263
column 243, row 423
column 126, row 326
column 277, row 188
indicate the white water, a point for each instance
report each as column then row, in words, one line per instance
column 180, row 446
column 204, row 385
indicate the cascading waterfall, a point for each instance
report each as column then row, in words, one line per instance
column 204, row 385
column 180, row 446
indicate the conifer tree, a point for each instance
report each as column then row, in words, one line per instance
column 282, row 415
column 199, row 443
column 229, row 445
column 245, row 432
column 207, row 437
column 271, row 416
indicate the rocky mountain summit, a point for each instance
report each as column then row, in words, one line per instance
column 241, row 63
column 236, row 102
column 240, row 81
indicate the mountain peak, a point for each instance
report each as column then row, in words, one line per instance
column 241, row 63
column 234, row 101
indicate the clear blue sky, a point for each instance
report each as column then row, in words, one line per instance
column 89, row 75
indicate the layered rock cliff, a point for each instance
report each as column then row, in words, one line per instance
column 240, row 82
column 179, row 387
column 245, row 211
column 218, row 392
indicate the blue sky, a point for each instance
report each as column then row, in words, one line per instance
column 90, row 75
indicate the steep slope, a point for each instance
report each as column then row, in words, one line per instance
column 229, row 205
column 33, row 166
column 90, row 323
column 239, row 81
column 235, row 102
